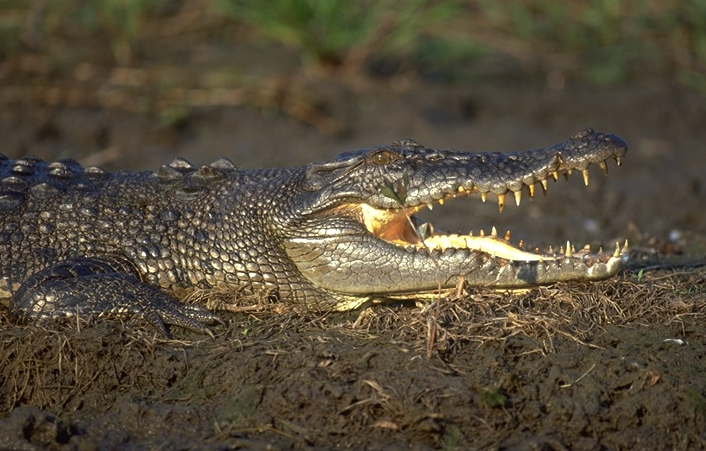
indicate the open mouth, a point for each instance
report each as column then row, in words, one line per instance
column 401, row 227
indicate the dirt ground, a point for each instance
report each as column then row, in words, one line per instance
column 619, row 364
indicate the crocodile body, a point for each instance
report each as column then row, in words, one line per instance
column 334, row 235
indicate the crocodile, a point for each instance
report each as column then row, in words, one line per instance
column 81, row 241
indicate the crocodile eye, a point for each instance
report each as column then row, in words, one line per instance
column 382, row 157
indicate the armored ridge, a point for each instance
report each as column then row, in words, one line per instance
column 334, row 235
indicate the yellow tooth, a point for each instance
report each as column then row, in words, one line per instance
column 461, row 189
column 555, row 174
column 501, row 202
column 518, row 197
column 587, row 248
column 483, row 196
column 604, row 167
column 441, row 201
column 507, row 236
column 530, row 190
column 430, row 206
column 618, row 160
column 585, row 176
column 625, row 246
column 551, row 251
column 493, row 231
column 568, row 249
column 544, row 186
column 616, row 254
column 482, row 232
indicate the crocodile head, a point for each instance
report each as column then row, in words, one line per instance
column 362, row 238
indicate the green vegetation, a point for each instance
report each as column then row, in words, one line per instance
column 595, row 41
column 611, row 40
column 340, row 31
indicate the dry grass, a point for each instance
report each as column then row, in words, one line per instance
column 55, row 364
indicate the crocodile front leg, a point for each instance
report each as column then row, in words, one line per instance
column 105, row 286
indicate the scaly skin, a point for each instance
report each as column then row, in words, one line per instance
column 333, row 235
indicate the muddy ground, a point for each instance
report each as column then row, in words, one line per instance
column 619, row 364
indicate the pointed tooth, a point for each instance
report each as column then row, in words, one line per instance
column 568, row 250
column 461, row 189
column 493, row 231
column 551, row 251
column 625, row 247
column 483, row 196
column 430, row 206
column 600, row 249
column 555, row 175
column 518, row 197
column 530, row 190
column 573, row 249
column 604, row 167
column 501, row 202
column 585, row 176
column 616, row 254
column 507, row 236
column 482, row 232
column 566, row 175
column 587, row 248
column 441, row 201
column 618, row 160
column 544, row 186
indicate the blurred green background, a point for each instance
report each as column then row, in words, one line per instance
column 589, row 41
